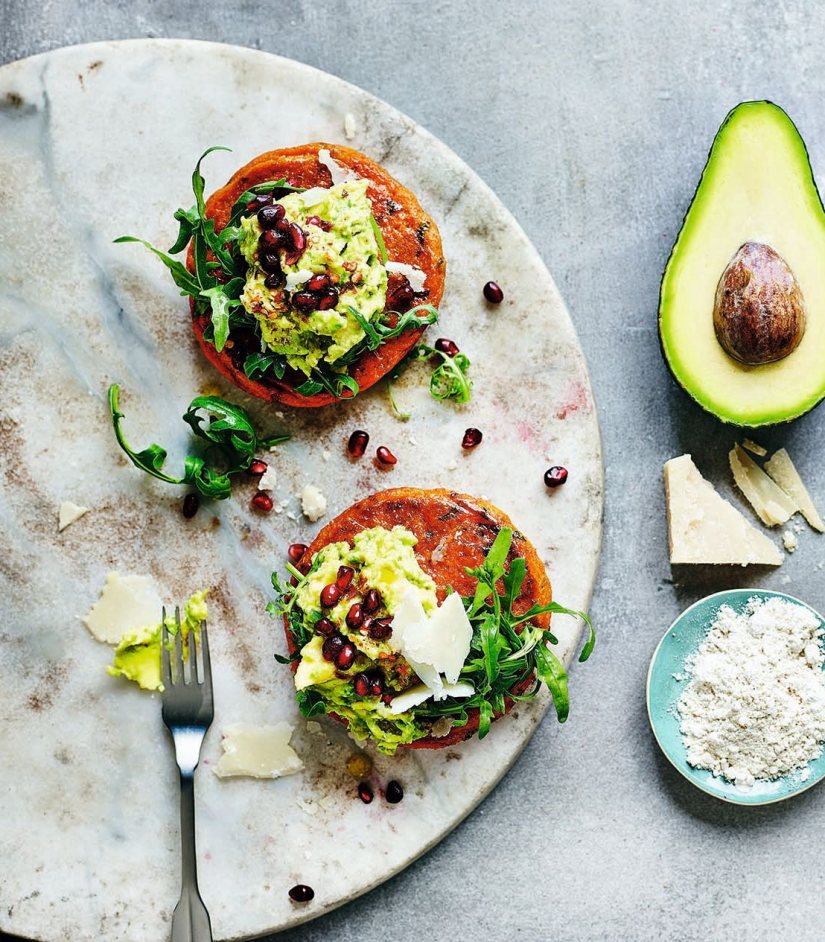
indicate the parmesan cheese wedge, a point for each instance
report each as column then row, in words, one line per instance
column 772, row 505
column 780, row 467
column 126, row 604
column 704, row 528
column 257, row 752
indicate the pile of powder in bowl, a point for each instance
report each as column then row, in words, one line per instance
column 754, row 707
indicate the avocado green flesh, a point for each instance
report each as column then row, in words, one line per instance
column 383, row 559
column 319, row 337
column 757, row 186
column 137, row 656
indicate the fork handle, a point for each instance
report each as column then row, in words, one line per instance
column 190, row 921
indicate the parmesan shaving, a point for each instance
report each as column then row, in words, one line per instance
column 780, row 467
column 68, row 514
column 754, row 449
column 771, row 504
column 338, row 173
column 416, row 277
column 126, row 604
column 257, row 752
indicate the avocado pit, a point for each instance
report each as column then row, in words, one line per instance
column 759, row 313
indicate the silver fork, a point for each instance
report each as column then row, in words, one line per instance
column 187, row 711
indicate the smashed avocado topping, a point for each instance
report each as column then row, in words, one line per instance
column 137, row 656
column 341, row 244
column 354, row 637
column 295, row 284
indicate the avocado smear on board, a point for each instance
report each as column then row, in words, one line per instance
column 348, row 252
column 137, row 656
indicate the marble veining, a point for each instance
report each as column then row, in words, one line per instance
column 109, row 132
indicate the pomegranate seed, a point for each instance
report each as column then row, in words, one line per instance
column 304, row 301
column 269, row 240
column 472, row 437
column 361, row 685
column 328, row 299
column 555, row 476
column 332, row 647
column 346, row 656
column 325, row 627
column 282, row 226
column 372, row 601
column 344, row 578
column 317, row 283
column 301, row 893
column 365, row 793
column 190, row 505
column 400, row 297
column 380, row 629
column 262, row 502
column 257, row 468
column 269, row 214
column 493, row 293
column 357, row 443
column 330, row 595
column 385, row 456
column 376, row 686
column 394, row 792
column 269, row 261
column 297, row 237
column 443, row 345
column 274, row 279
column 320, row 223
column 296, row 551
column 293, row 580
column 355, row 617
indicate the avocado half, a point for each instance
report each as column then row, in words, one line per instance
column 757, row 187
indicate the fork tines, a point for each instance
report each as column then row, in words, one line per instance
column 172, row 663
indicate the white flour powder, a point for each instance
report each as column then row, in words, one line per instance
column 755, row 704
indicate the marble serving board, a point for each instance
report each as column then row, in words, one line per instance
column 100, row 140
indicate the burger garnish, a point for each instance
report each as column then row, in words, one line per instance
column 231, row 445
column 296, row 287
column 415, row 669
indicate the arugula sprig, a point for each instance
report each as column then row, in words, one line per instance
column 232, row 443
column 449, row 379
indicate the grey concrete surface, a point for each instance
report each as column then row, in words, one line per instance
column 592, row 121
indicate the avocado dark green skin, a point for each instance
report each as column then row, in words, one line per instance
column 785, row 420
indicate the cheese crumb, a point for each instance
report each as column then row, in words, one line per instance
column 126, row 604
column 790, row 541
column 313, row 503
column 350, row 126
column 754, row 449
column 269, row 480
column 452, row 465
column 257, row 752
column 68, row 514
column 326, row 454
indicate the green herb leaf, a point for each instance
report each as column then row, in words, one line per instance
column 181, row 275
column 257, row 364
column 228, row 431
column 379, row 238
column 151, row 459
column 551, row 671
column 449, row 379
column 188, row 219
column 222, row 306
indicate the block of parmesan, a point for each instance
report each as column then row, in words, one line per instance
column 771, row 504
column 780, row 467
column 704, row 528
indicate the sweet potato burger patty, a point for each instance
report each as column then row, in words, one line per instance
column 430, row 538
column 409, row 234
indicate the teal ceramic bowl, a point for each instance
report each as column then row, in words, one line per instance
column 666, row 680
